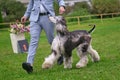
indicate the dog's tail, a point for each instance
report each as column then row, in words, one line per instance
column 90, row 31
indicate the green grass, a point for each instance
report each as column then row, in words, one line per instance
column 106, row 41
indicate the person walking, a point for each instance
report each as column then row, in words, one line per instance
column 38, row 12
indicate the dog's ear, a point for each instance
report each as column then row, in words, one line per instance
column 63, row 21
column 52, row 19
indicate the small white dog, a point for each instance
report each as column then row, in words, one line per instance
column 66, row 41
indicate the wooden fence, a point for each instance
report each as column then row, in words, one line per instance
column 81, row 18
column 97, row 16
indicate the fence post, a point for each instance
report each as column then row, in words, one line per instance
column 78, row 20
column 101, row 16
column 112, row 15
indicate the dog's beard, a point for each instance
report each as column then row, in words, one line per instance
column 61, row 29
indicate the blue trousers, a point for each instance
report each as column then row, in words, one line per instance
column 45, row 24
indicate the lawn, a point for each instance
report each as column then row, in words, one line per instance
column 105, row 39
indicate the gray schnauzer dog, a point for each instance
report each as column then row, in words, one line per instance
column 66, row 41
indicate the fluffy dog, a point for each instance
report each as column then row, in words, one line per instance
column 66, row 41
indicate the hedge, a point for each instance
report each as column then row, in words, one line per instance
column 0, row 17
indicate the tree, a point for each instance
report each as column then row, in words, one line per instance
column 79, row 9
column 56, row 7
column 14, row 10
column 105, row 6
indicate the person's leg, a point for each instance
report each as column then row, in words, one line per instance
column 35, row 31
column 48, row 27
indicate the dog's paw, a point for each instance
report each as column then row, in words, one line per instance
column 46, row 65
column 80, row 65
column 96, row 59
column 68, row 66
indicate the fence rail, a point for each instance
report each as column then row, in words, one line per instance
column 101, row 16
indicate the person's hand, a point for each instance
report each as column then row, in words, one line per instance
column 23, row 19
column 61, row 10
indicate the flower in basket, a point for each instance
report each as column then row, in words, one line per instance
column 17, row 28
